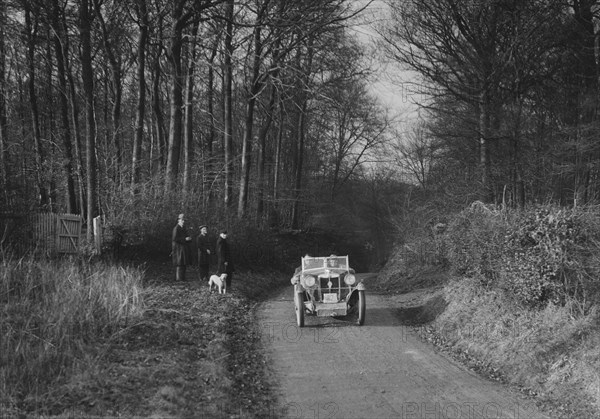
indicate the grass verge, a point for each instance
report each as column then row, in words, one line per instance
column 550, row 353
column 52, row 317
column 188, row 353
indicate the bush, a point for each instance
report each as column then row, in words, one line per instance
column 540, row 255
column 546, row 255
column 475, row 239
column 547, row 350
column 53, row 314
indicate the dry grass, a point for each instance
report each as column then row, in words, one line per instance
column 186, row 353
column 551, row 352
column 52, row 314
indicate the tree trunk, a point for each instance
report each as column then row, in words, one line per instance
column 115, row 71
column 299, row 128
column 76, row 133
column 59, row 41
column 87, row 76
column 3, row 117
column 262, row 153
column 484, row 134
column 142, row 14
column 188, row 138
column 210, row 98
column 175, row 129
column 255, row 86
column 273, row 217
column 160, row 143
column 31, row 31
column 228, row 128
column 277, row 164
column 210, row 166
column 48, row 119
column 299, row 152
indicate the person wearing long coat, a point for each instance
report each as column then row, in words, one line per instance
column 203, row 246
column 224, row 263
column 181, row 251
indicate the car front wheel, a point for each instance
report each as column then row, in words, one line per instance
column 362, row 308
column 299, row 304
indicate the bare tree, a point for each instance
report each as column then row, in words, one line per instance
column 3, row 117
column 143, row 24
column 256, row 83
column 87, row 75
column 59, row 36
column 158, row 154
column 228, row 103
column 188, row 138
column 179, row 19
column 456, row 46
column 110, row 41
column 414, row 153
column 31, row 31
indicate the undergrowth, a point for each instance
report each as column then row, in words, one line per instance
column 548, row 351
column 52, row 315
column 523, row 304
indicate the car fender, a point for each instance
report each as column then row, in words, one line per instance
column 354, row 292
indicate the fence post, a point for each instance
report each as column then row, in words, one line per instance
column 98, row 234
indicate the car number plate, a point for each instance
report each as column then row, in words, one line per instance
column 330, row 298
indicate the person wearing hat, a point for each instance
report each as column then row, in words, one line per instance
column 181, row 252
column 224, row 263
column 203, row 246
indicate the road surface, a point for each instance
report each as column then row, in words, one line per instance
column 335, row 369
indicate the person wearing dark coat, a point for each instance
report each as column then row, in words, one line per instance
column 203, row 246
column 181, row 252
column 224, row 263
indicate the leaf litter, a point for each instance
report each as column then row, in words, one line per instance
column 192, row 354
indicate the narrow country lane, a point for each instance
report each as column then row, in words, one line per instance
column 335, row 369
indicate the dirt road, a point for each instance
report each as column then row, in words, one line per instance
column 335, row 369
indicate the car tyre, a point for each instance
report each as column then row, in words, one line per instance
column 362, row 308
column 299, row 304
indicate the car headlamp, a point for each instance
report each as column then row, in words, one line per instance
column 349, row 279
column 308, row 281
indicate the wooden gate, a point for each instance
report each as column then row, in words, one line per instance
column 54, row 233
column 68, row 233
column 47, row 233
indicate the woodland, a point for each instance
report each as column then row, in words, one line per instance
column 236, row 109
column 263, row 117
column 262, row 110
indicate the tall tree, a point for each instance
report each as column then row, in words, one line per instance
column 87, row 76
column 59, row 35
column 304, row 62
column 109, row 43
column 256, row 83
column 31, row 32
column 158, row 154
column 179, row 19
column 228, row 103
column 462, row 49
column 188, row 138
column 3, row 116
column 141, row 11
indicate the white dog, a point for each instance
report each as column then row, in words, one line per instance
column 219, row 281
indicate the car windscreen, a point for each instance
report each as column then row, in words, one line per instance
column 328, row 262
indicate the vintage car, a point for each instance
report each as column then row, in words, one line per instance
column 327, row 286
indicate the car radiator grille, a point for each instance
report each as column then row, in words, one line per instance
column 334, row 287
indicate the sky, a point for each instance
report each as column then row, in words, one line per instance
column 394, row 86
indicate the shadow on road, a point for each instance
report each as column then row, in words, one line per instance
column 422, row 314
